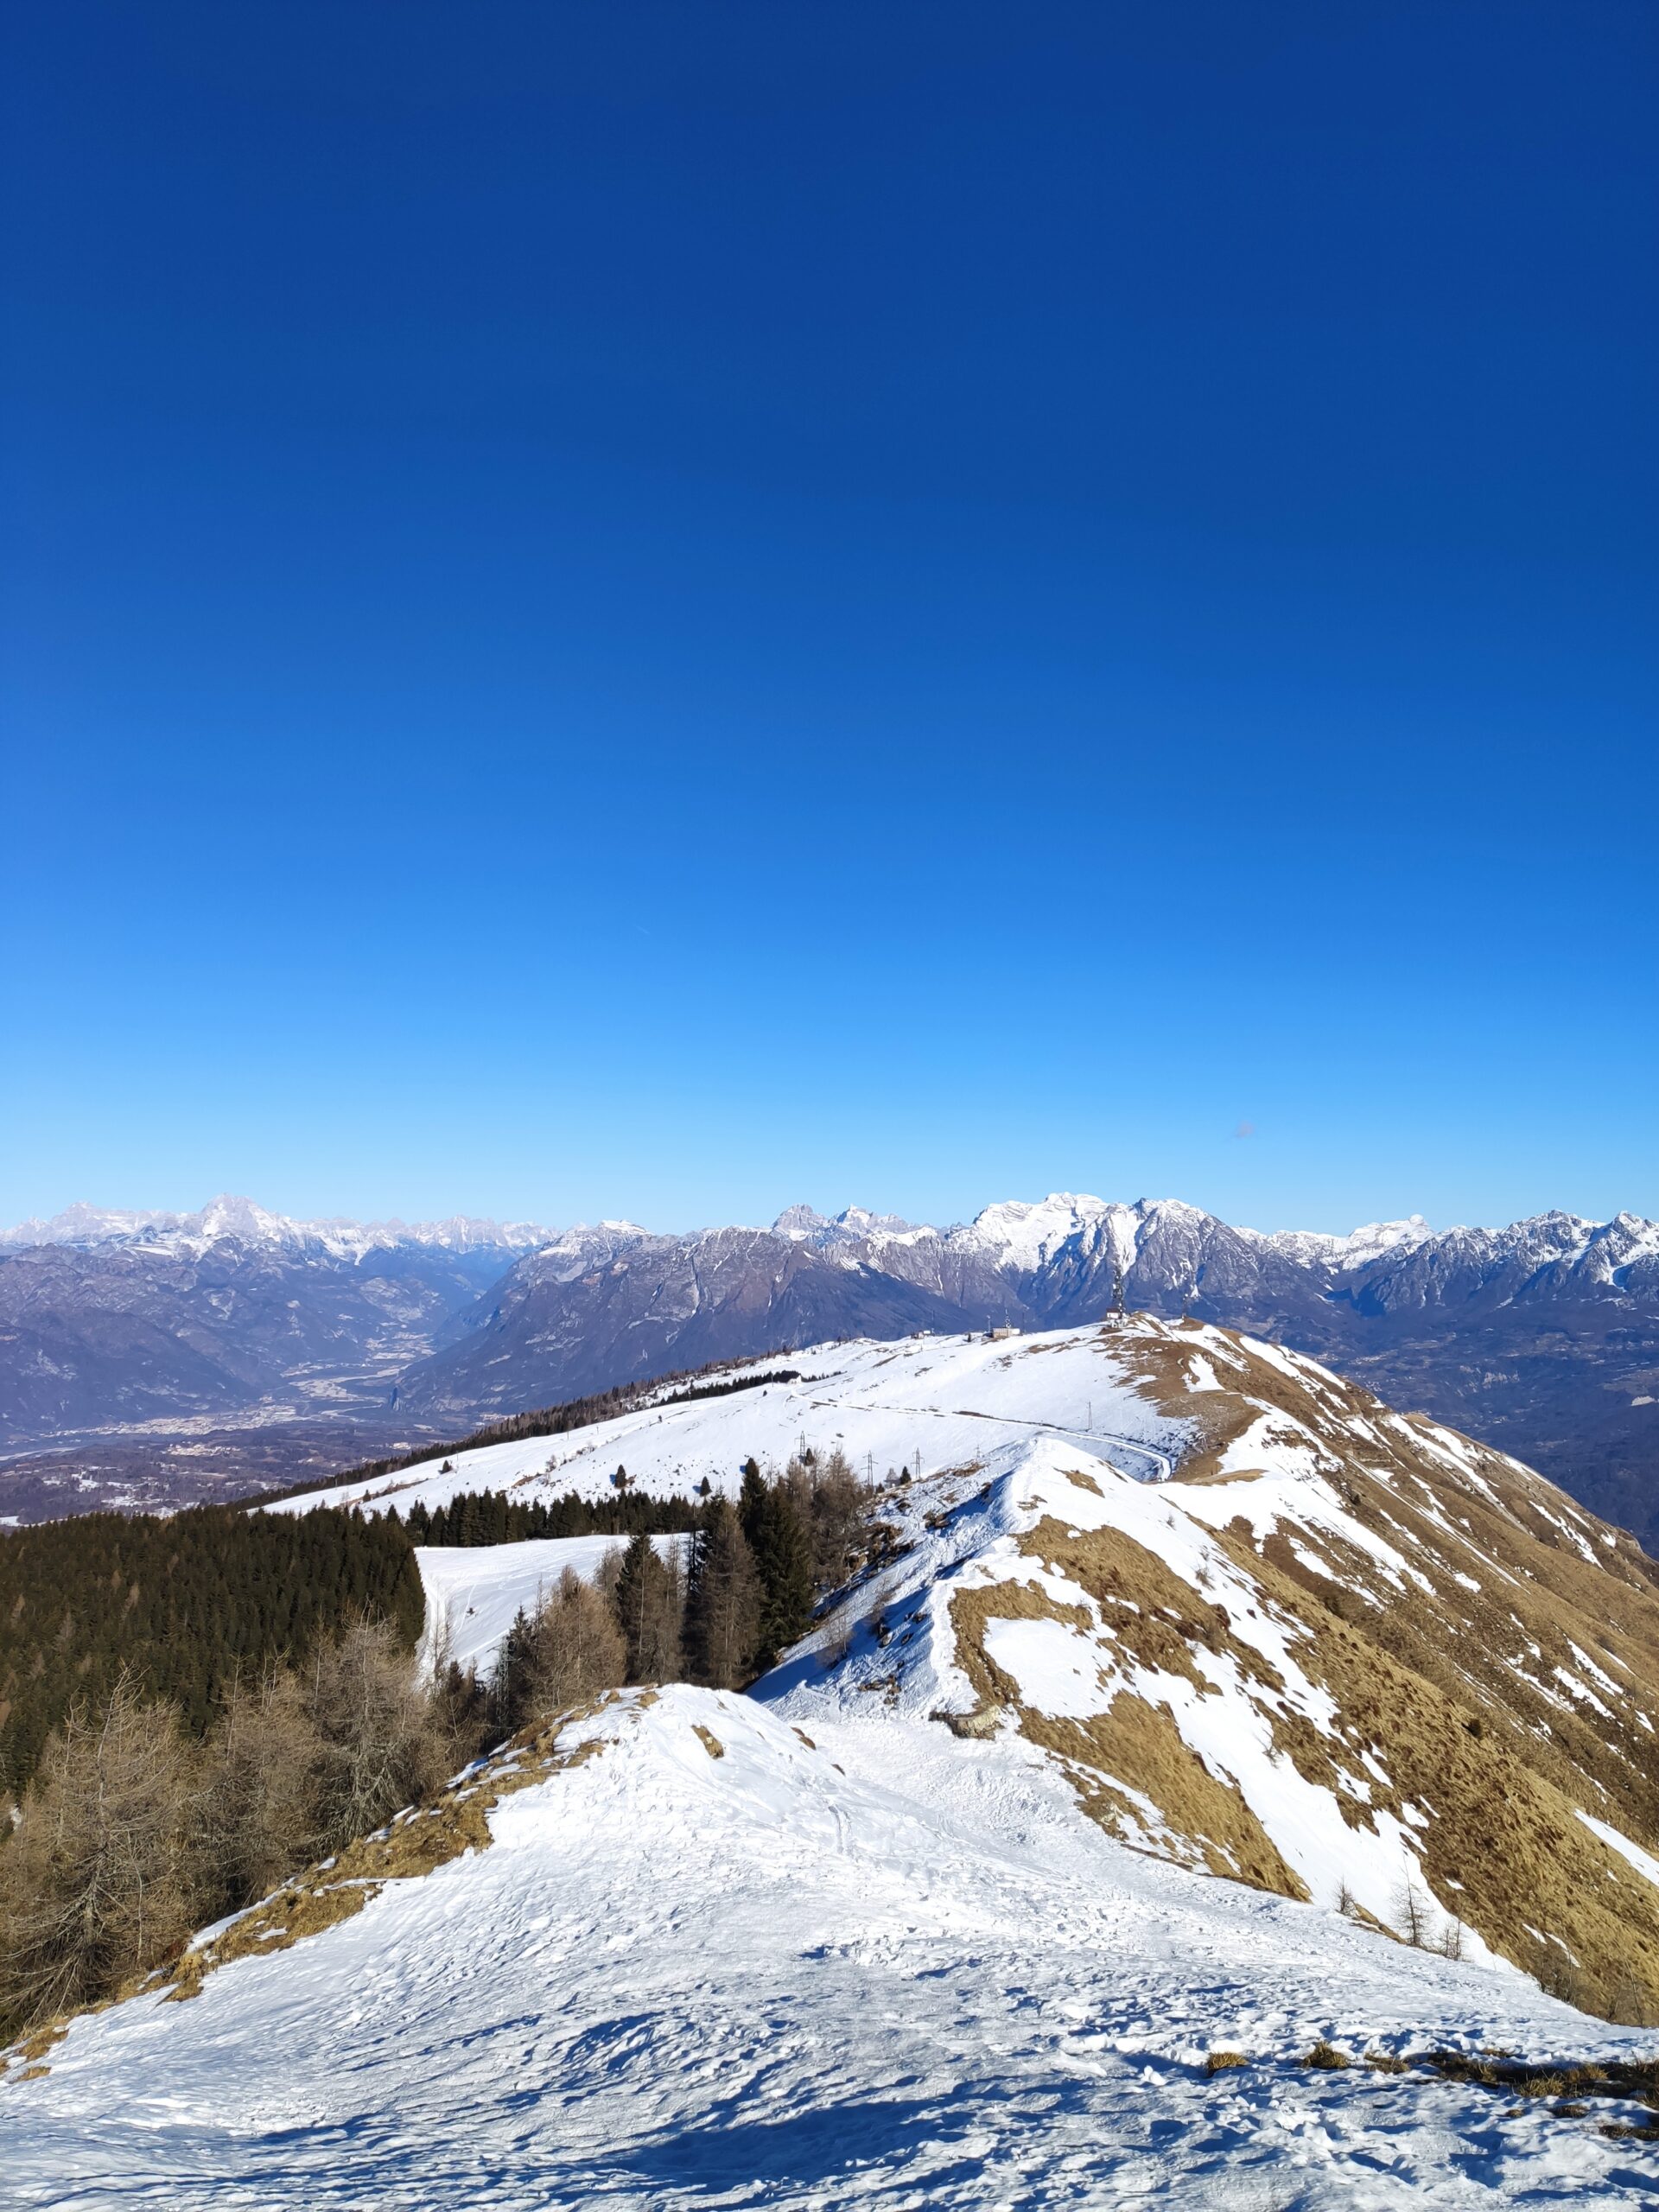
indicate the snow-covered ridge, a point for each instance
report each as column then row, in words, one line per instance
column 1173, row 1544
column 944, row 1878
column 710, row 1955
column 916, row 1406
column 929, row 1915
column 1354, row 1251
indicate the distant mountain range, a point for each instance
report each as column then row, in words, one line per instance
column 145, row 1357
column 239, row 1221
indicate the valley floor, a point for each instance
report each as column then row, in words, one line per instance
column 718, row 1964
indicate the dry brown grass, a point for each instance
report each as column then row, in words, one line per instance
column 1453, row 1689
column 33, row 2047
column 1502, row 1826
column 1132, row 1740
column 1620, row 2078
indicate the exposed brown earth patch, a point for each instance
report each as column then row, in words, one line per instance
column 1132, row 1742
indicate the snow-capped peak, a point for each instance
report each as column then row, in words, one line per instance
column 227, row 1216
column 81, row 1224
column 804, row 1225
column 1025, row 1236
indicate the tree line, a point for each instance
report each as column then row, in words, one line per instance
column 492, row 1516
column 132, row 1832
column 180, row 1605
column 717, row 1612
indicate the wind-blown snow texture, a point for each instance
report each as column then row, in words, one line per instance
column 882, row 1967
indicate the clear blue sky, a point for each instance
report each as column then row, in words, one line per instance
column 662, row 608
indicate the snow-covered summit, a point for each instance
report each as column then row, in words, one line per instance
column 802, row 1225
column 1024, row 1236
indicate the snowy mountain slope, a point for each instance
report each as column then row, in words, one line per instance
column 703, row 1960
column 920, row 1403
column 472, row 1594
column 1269, row 1626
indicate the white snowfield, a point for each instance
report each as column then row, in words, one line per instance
column 738, row 1968
column 922, row 1404
column 473, row 1595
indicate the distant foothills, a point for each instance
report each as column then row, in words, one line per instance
column 150, row 1359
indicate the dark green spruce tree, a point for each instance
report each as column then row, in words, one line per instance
column 648, row 1608
column 782, row 1544
column 722, row 1601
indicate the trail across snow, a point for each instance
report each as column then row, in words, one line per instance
column 883, row 1967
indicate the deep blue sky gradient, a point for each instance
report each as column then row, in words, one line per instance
column 662, row 608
